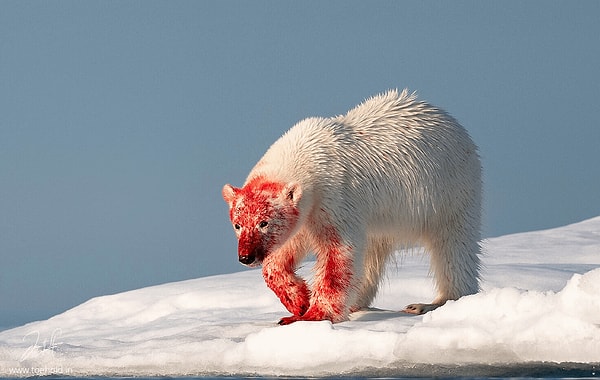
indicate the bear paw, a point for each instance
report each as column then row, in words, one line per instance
column 289, row 320
column 314, row 314
column 420, row 308
column 296, row 318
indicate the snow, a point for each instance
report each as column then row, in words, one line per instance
column 540, row 303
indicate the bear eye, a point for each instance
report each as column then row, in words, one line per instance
column 263, row 224
column 237, row 226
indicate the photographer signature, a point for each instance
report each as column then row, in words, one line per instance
column 39, row 344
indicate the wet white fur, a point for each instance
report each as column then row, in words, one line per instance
column 394, row 171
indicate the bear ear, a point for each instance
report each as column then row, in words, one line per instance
column 292, row 192
column 229, row 193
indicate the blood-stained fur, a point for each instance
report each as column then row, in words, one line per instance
column 394, row 171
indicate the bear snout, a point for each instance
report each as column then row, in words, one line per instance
column 252, row 258
column 247, row 259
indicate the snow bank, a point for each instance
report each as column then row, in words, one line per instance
column 540, row 303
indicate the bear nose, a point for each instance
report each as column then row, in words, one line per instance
column 247, row 259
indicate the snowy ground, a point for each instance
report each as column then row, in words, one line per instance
column 540, row 305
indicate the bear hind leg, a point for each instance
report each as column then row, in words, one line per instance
column 455, row 264
column 376, row 254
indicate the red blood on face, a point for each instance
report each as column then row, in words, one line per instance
column 263, row 218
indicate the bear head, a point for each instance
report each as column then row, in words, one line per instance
column 264, row 215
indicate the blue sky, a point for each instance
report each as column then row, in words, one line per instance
column 121, row 121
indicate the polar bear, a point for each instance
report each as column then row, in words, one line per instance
column 394, row 171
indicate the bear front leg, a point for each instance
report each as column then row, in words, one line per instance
column 332, row 284
column 280, row 276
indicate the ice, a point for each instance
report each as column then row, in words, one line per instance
column 540, row 303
